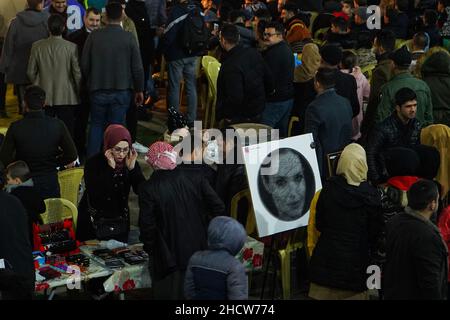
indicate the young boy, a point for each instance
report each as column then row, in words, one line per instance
column 215, row 274
column 20, row 185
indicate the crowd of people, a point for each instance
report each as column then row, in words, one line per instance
column 81, row 91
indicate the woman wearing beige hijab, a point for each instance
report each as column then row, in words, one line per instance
column 348, row 214
column 304, row 92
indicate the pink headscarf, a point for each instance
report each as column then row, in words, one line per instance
column 161, row 156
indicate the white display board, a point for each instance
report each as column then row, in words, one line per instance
column 283, row 177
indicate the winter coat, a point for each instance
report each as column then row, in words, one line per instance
column 173, row 217
column 215, row 274
column 108, row 194
column 296, row 32
column 243, row 81
column 347, row 218
column 388, row 134
column 15, row 245
column 416, row 259
column 279, row 58
column 329, row 119
column 363, row 91
column 436, row 73
column 28, row 27
column 247, row 36
column 444, row 228
column 405, row 79
column 44, row 143
column 54, row 67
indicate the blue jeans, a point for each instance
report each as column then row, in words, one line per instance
column 276, row 115
column 107, row 107
column 176, row 70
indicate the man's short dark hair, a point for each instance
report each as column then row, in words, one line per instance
column 431, row 17
column 114, row 11
column 291, row 7
column 230, row 33
column 33, row 4
column 326, row 77
column 420, row 40
column 263, row 14
column 404, row 95
column 279, row 28
column 386, row 39
column 421, row 194
column 235, row 15
column 94, row 10
column 19, row 169
column 340, row 23
column 34, row 97
column 56, row 24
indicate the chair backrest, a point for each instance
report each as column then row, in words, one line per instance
column 212, row 69
column 367, row 71
column 3, row 130
column 332, row 161
column 58, row 209
column 250, row 225
column 313, row 233
column 69, row 183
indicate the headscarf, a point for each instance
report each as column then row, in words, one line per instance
column 438, row 136
column 115, row 133
column 310, row 63
column 161, row 156
column 353, row 164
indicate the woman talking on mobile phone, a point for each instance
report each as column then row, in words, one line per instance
column 109, row 175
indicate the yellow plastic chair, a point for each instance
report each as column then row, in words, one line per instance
column 250, row 225
column 69, row 183
column 293, row 120
column 3, row 130
column 320, row 34
column 212, row 73
column 400, row 43
column 58, row 209
column 313, row 233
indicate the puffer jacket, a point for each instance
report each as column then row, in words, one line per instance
column 436, row 73
column 388, row 134
column 216, row 273
column 348, row 219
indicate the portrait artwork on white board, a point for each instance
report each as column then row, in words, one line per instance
column 283, row 177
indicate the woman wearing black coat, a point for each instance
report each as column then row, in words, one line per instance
column 108, row 177
column 348, row 217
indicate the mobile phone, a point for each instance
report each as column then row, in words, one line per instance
column 216, row 27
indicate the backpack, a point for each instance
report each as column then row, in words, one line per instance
column 195, row 35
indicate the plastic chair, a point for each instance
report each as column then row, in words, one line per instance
column 313, row 233
column 69, row 183
column 212, row 69
column 250, row 225
column 320, row 34
column 332, row 162
column 58, row 209
column 400, row 43
column 293, row 120
column 3, row 130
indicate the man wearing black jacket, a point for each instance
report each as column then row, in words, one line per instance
column 345, row 84
column 280, row 59
column 44, row 143
column 243, row 81
column 416, row 256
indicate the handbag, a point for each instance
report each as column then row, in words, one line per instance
column 106, row 228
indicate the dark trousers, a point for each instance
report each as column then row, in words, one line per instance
column 132, row 121
column 2, row 93
column 47, row 185
column 63, row 113
column 81, row 116
column 20, row 91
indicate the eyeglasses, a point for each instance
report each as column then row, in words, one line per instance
column 268, row 35
column 121, row 150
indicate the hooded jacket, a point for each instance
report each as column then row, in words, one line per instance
column 28, row 27
column 216, row 273
column 438, row 136
column 348, row 220
column 436, row 73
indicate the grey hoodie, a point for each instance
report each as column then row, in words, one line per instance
column 216, row 273
column 27, row 27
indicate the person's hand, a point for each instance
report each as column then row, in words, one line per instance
column 139, row 98
column 110, row 157
column 131, row 159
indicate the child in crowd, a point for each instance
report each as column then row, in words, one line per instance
column 215, row 274
column 349, row 65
